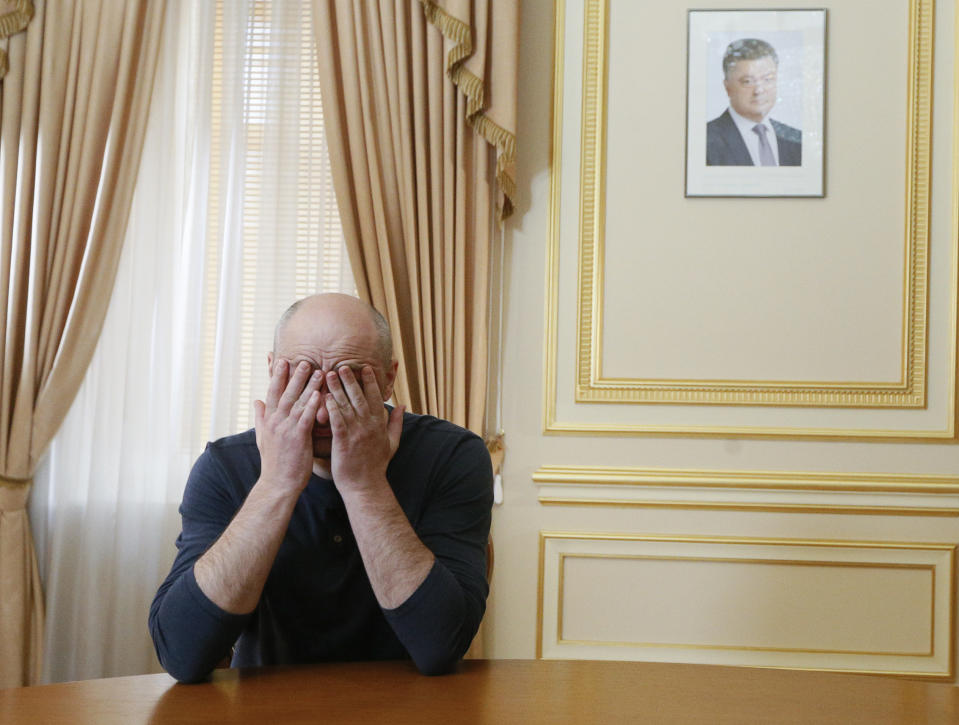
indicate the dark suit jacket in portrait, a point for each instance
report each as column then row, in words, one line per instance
column 725, row 145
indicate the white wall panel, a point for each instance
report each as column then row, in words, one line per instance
column 834, row 605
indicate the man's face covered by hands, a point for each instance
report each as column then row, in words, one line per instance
column 330, row 332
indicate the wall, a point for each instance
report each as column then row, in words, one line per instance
column 810, row 536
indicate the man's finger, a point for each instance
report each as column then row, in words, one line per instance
column 259, row 412
column 277, row 383
column 337, row 424
column 308, row 414
column 294, row 388
column 371, row 389
column 312, row 386
column 340, row 399
column 352, row 388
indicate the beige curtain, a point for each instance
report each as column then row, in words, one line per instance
column 419, row 102
column 73, row 110
column 415, row 159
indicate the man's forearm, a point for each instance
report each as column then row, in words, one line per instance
column 395, row 559
column 233, row 571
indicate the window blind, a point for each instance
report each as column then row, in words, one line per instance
column 274, row 229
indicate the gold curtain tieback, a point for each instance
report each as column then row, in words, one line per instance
column 13, row 482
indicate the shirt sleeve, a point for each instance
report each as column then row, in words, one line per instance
column 437, row 623
column 190, row 633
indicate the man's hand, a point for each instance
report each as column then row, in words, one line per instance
column 284, row 424
column 365, row 435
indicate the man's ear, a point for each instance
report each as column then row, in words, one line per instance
column 390, row 379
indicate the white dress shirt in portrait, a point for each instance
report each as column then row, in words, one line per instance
column 751, row 138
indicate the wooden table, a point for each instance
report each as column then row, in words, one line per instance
column 502, row 691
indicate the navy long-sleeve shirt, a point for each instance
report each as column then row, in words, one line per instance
column 317, row 604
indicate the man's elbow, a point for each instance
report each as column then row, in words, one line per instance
column 436, row 663
column 442, row 654
column 186, row 672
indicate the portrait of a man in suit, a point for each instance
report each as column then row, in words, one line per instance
column 744, row 134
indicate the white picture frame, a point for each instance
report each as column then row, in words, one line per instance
column 784, row 91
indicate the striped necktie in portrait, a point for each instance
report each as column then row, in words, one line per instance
column 766, row 157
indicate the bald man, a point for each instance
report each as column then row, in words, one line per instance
column 338, row 528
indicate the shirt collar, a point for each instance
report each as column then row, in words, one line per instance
column 746, row 126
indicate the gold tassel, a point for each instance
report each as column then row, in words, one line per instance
column 496, row 445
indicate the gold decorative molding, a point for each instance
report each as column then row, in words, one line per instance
column 790, row 480
column 592, row 387
column 929, row 651
column 795, row 508
column 750, row 540
column 551, row 323
column 943, row 589
column 897, row 494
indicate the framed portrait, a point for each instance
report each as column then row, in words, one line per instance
column 755, row 98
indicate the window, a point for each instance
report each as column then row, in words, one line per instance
column 269, row 158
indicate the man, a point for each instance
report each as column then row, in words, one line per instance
column 337, row 529
column 744, row 135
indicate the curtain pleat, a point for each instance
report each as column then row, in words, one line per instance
column 419, row 103
column 72, row 121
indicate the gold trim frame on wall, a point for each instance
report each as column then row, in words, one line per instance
column 904, row 389
column 594, row 386
column 732, row 601
column 806, row 492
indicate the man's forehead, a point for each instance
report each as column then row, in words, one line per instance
column 754, row 64
column 320, row 337
column 333, row 316
column 326, row 335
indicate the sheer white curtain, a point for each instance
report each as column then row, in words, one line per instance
column 233, row 218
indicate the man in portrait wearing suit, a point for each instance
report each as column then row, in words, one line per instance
column 745, row 135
